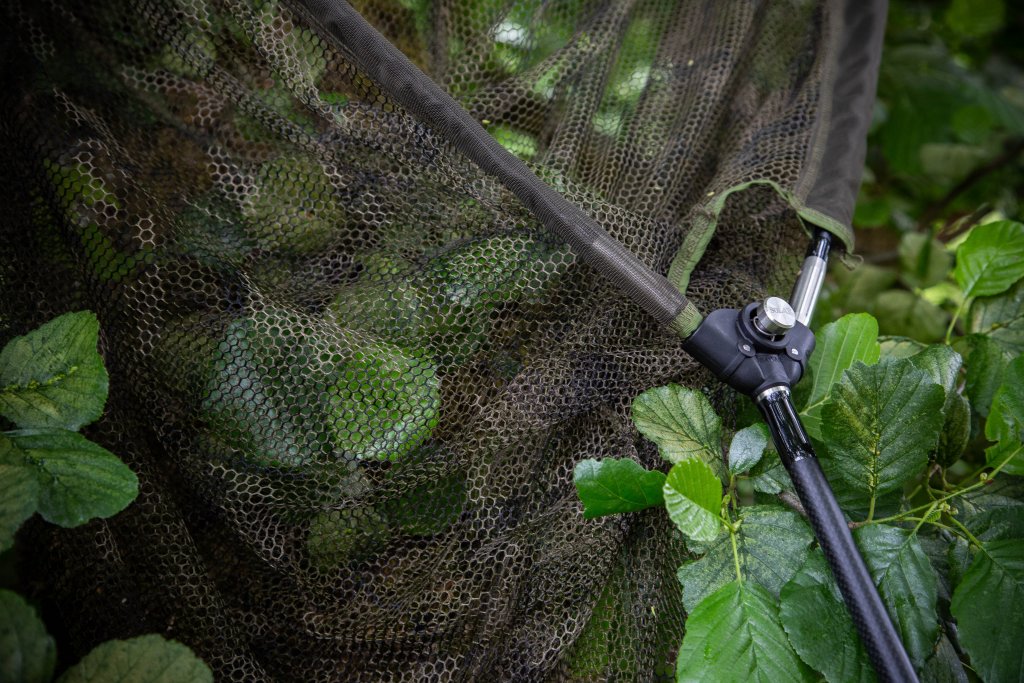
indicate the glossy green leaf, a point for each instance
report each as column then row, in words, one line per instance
column 27, row 652
column 1001, row 493
column 19, row 498
column 904, row 313
column 53, row 377
column 900, row 347
column 1001, row 318
column 693, row 499
column 772, row 543
column 985, row 363
column 734, row 635
column 747, row 447
column 612, row 486
column 998, row 523
column 956, row 432
column 146, row 659
column 819, row 625
column 991, row 259
column 880, row 423
column 924, row 260
column 770, row 476
column 989, row 609
column 78, row 480
column 1005, row 422
column 853, row 338
column 681, row 422
column 907, row 584
column 943, row 365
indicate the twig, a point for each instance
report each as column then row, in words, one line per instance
column 791, row 501
column 1011, row 150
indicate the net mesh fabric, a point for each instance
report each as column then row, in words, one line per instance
column 352, row 372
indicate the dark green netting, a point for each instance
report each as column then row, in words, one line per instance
column 352, row 371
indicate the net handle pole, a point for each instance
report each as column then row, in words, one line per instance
column 871, row 619
column 428, row 102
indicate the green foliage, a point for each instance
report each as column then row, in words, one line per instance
column 1001, row 319
column 735, row 635
column 77, row 480
column 991, row 259
column 879, row 426
column 988, row 605
column 54, row 382
column 53, row 377
column 27, row 652
column 145, row 659
column 339, row 536
column 610, row 486
column 284, row 188
column 912, row 436
column 851, row 339
column 370, row 399
column 771, row 544
column 681, row 422
column 693, row 499
column 819, row 627
column 906, row 582
column 747, row 448
column 1005, row 424
column 447, row 309
column 924, row 260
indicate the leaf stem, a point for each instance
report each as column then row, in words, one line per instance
column 956, row 316
column 973, row 487
column 970, row 537
column 923, row 518
column 735, row 556
column 871, row 509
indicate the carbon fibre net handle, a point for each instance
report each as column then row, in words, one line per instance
column 878, row 634
column 428, row 102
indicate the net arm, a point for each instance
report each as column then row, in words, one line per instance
column 429, row 103
column 835, row 163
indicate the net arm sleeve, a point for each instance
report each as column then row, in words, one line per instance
column 834, row 173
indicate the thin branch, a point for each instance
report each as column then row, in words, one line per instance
column 791, row 501
column 1011, row 150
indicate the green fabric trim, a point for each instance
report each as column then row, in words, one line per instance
column 703, row 229
column 688, row 320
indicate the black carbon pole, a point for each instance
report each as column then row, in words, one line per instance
column 878, row 634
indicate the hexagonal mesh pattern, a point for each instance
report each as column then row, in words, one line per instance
column 351, row 370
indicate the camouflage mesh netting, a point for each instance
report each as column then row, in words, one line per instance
column 351, row 370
